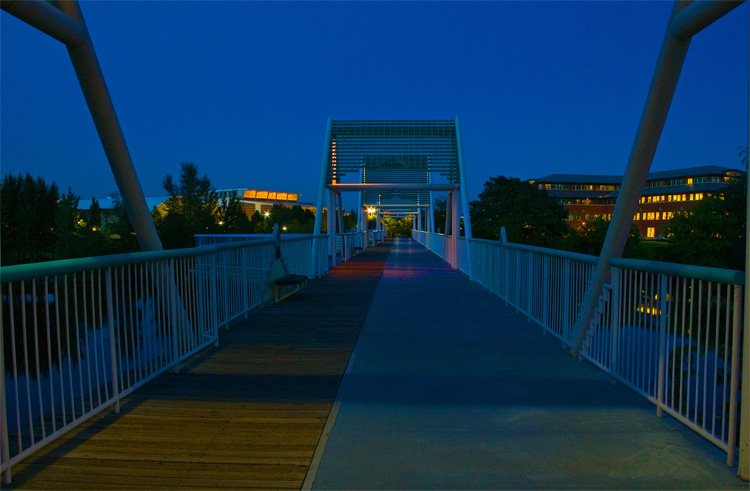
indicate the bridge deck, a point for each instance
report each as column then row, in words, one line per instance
column 245, row 415
column 447, row 388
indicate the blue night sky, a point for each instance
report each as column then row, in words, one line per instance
column 244, row 89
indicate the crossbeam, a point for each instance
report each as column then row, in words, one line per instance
column 699, row 15
column 48, row 19
column 393, row 186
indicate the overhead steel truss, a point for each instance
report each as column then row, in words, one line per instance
column 399, row 163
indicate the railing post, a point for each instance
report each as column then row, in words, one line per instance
column 5, row 443
column 173, row 315
column 663, row 313
column 616, row 294
column 530, row 291
column 734, row 386
column 227, row 295
column 566, row 301
column 214, row 307
column 112, row 344
column 245, row 280
column 545, row 287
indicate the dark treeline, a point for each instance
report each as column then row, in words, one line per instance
column 711, row 234
column 38, row 223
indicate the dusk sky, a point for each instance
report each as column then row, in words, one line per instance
column 244, row 89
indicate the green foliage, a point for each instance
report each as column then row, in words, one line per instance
column 713, row 233
column 398, row 227
column 296, row 219
column 529, row 214
column 119, row 230
column 94, row 215
column 589, row 239
column 191, row 209
column 68, row 242
column 27, row 223
column 233, row 218
column 439, row 209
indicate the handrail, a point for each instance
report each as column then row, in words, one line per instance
column 716, row 275
column 575, row 256
column 20, row 272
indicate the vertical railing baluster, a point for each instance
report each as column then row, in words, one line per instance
column 172, row 289
column 615, row 328
column 735, row 379
column 112, row 341
column 5, row 439
column 214, row 301
column 663, row 310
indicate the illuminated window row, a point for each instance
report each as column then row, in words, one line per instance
column 654, row 215
column 672, row 197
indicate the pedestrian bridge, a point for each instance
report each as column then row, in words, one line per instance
column 393, row 370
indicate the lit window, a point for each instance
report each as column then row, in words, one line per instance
column 650, row 232
column 692, row 197
column 690, row 180
column 657, row 216
column 684, row 197
column 637, row 216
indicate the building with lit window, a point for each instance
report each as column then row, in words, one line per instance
column 589, row 197
column 253, row 200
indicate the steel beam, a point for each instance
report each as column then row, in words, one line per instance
column 91, row 79
column 464, row 198
column 321, row 193
column 663, row 85
column 48, row 19
column 699, row 15
column 743, row 468
column 393, row 186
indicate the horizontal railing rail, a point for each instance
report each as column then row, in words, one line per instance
column 672, row 332
column 80, row 334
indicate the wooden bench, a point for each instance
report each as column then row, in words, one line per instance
column 289, row 284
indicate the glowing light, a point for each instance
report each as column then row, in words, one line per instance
column 268, row 213
column 283, row 228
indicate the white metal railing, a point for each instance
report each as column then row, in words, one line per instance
column 671, row 332
column 80, row 334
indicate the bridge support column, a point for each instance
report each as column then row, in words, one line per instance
column 663, row 85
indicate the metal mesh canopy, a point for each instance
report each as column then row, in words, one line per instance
column 399, row 151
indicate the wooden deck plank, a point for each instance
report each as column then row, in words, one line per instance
column 245, row 415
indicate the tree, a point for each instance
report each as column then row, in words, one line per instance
column 191, row 208
column 119, row 230
column 528, row 214
column 439, row 209
column 94, row 215
column 398, row 227
column 589, row 239
column 233, row 217
column 68, row 243
column 713, row 233
column 27, row 221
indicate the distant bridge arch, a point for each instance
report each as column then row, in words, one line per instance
column 394, row 166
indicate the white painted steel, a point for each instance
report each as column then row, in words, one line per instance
column 79, row 340
column 675, row 344
column 670, row 332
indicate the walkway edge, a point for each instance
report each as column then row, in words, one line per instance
column 333, row 414
column 330, row 422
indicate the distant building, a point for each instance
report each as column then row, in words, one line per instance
column 107, row 205
column 253, row 200
column 588, row 197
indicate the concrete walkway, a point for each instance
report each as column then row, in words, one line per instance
column 448, row 388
